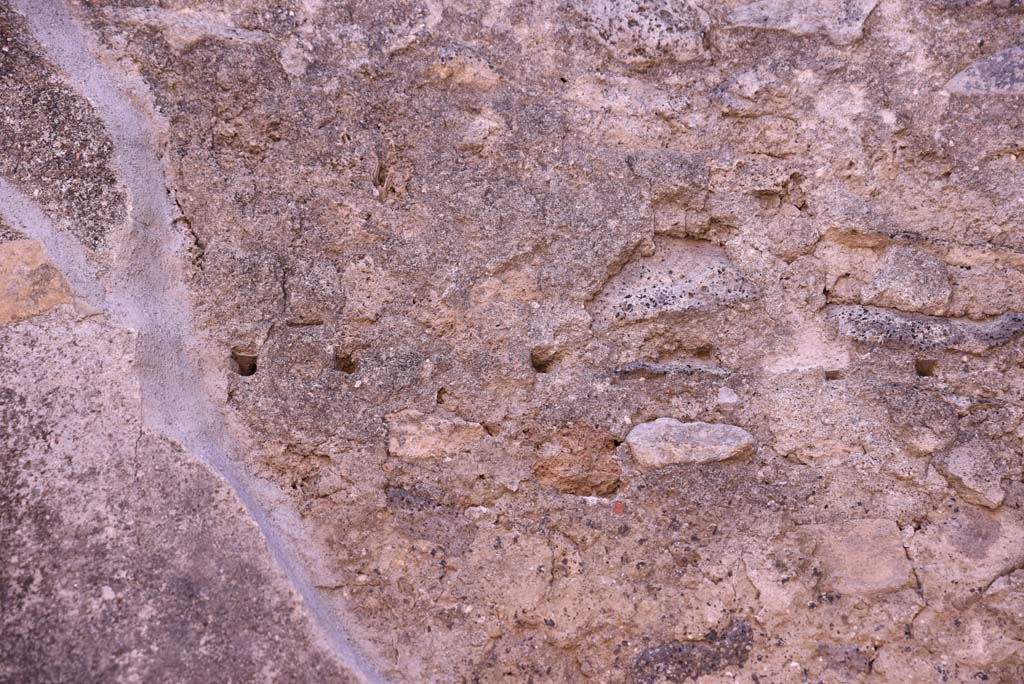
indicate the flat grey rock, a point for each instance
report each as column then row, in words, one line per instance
column 841, row 20
column 1001, row 73
column 667, row 441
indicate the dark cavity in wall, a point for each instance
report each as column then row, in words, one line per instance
column 243, row 362
column 345, row 362
column 541, row 358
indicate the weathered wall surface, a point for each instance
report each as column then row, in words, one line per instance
column 531, row 341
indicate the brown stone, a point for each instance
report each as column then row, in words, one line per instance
column 862, row 556
column 579, row 460
column 415, row 436
column 29, row 283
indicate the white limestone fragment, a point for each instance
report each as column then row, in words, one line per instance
column 667, row 441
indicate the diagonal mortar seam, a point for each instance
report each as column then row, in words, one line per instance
column 143, row 293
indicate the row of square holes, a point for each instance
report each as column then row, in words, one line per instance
column 925, row 368
column 244, row 363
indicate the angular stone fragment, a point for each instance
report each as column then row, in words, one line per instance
column 910, row 280
column 1005, row 596
column 999, row 74
column 862, row 556
column 579, row 460
column 584, row 473
column 965, row 550
column 667, row 441
column 416, row 436
column 873, row 325
column 644, row 32
column 922, row 421
column 29, row 283
column 841, row 20
column 479, row 130
column 728, row 400
column 972, row 471
column 682, row 276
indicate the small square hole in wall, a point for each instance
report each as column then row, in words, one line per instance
column 704, row 351
column 242, row 362
column 832, row 375
column 926, row 368
column 345, row 362
column 541, row 359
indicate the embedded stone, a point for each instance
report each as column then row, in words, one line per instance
column 579, row 460
column 416, row 436
column 29, row 283
column 873, row 325
column 841, row 20
column 643, row 32
column 862, row 556
column 667, row 441
column 910, row 280
column 728, row 400
column 681, row 276
column 973, row 472
column 1001, row 73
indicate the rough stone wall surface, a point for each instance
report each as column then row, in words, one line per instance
column 512, row 341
